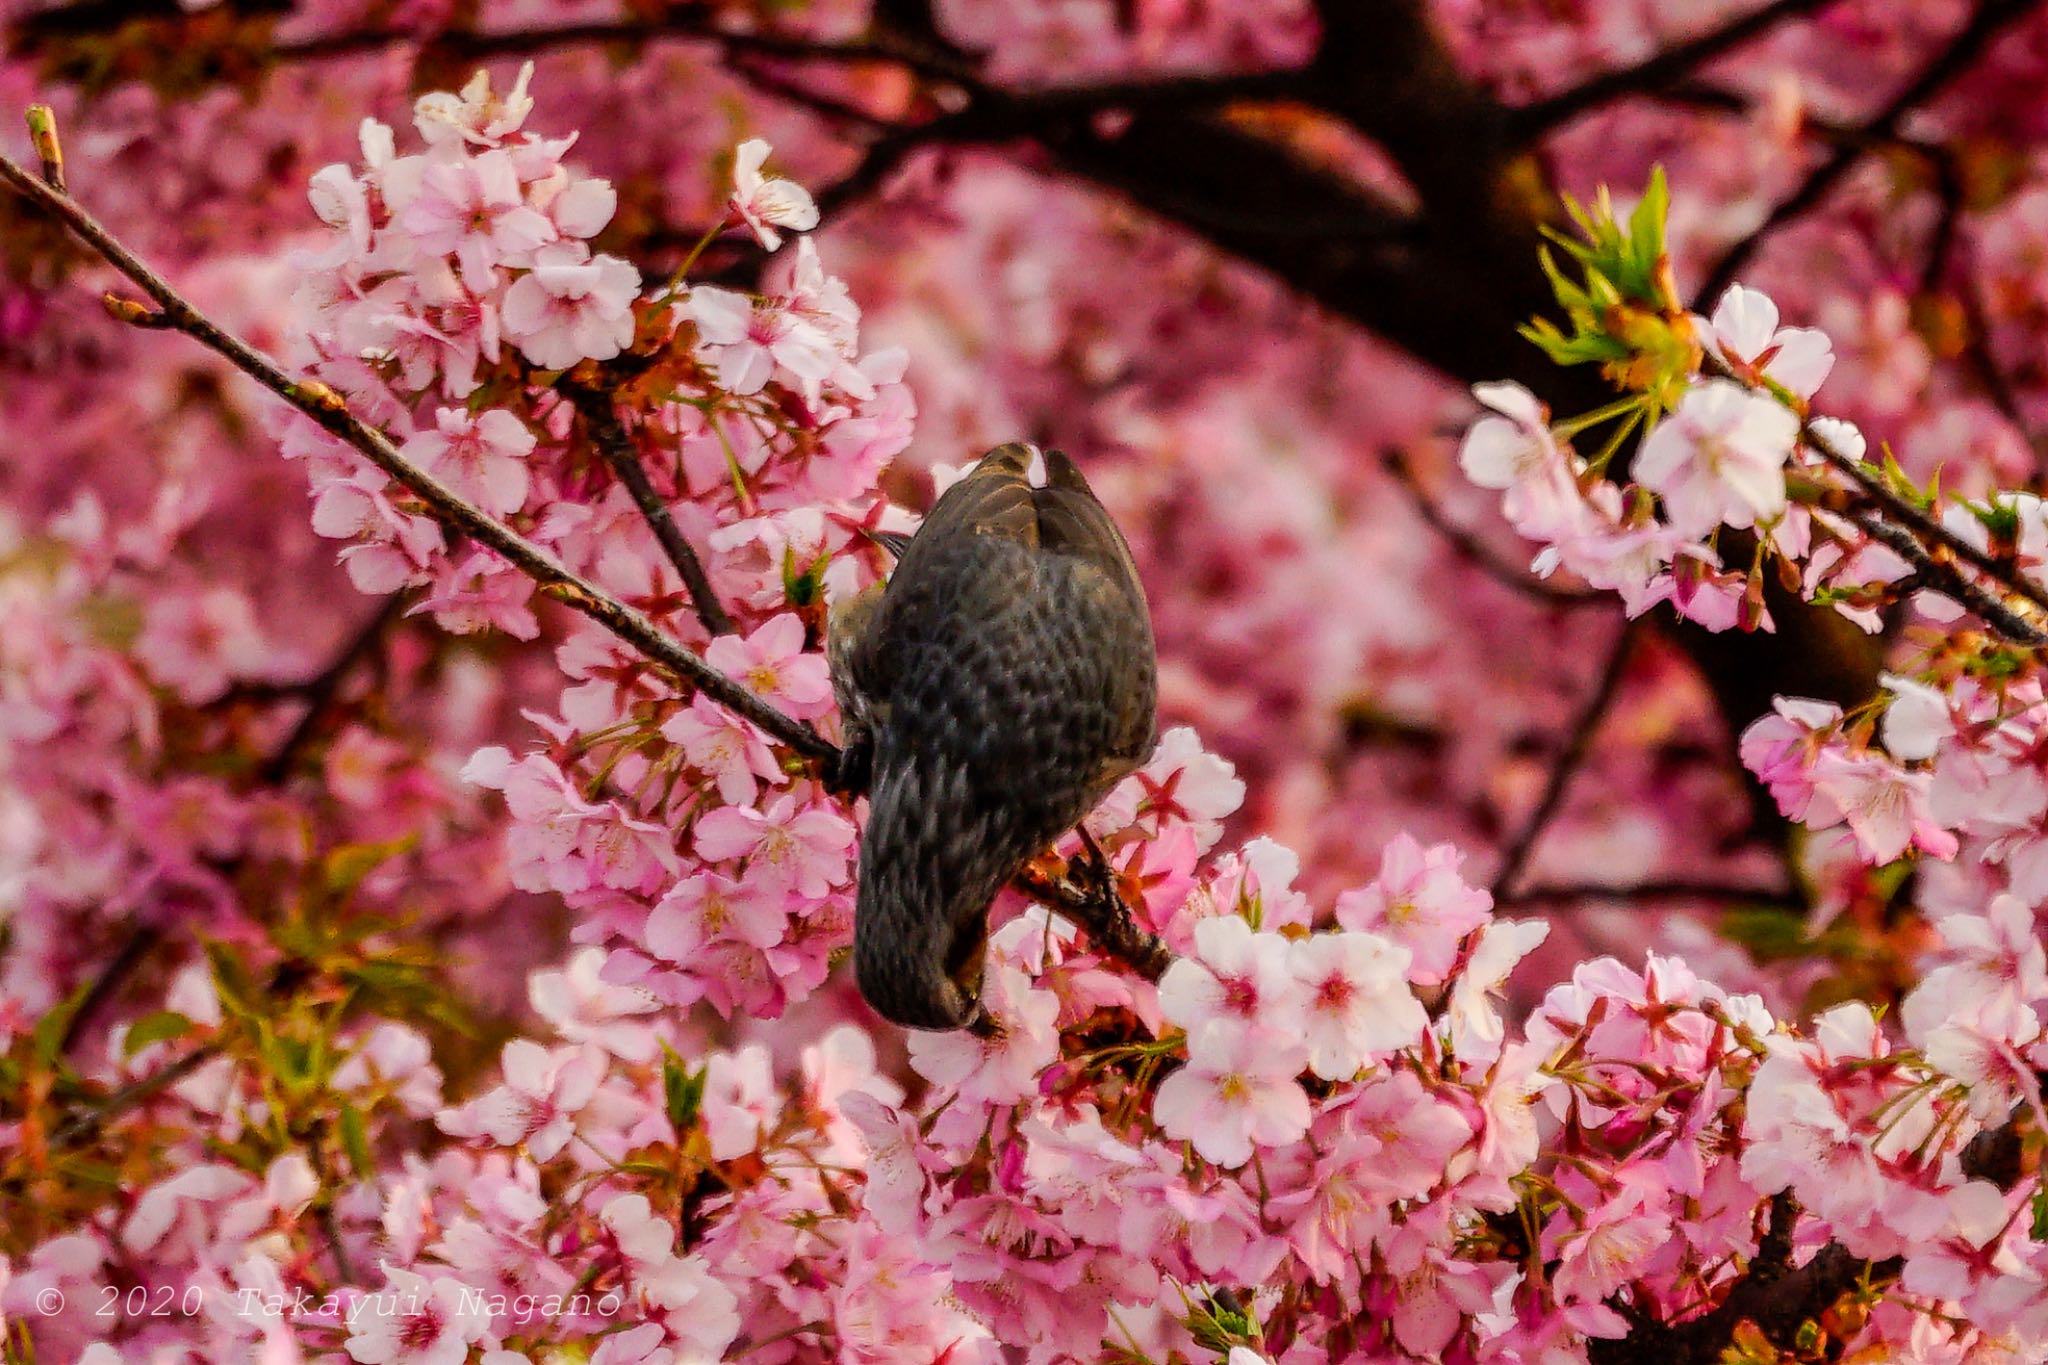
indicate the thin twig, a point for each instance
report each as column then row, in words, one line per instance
column 1103, row 915
column 112, row 975
column 320, row 690
column 1655, row 890
column 1577, row 744
column 87, row 1123
column 1947, row 579
column 1929, row 531
column 1954, row 58
column 613, row 442
column 1655, row 72
column 327, row 408
column 1477, row 551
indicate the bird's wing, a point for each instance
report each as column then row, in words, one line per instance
column 1071, row 521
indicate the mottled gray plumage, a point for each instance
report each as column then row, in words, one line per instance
column 996, row 688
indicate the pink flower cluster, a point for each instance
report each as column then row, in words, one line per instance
column 1719, row 458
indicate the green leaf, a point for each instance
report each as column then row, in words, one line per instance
column 154, row 1028
column 1768, row 932
column 1646, row 224
column 355, row 1140
column 682, row 1089
column 51, row 1028
column 239, row 994
column 345, row 868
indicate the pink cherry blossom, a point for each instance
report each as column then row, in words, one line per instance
column 1357, row 1000
column 571, row 306
column 739, row 1101
column 765, row 204
column 538, row 1103
column 730, row 751
column 1237, row 978
column 1745, row 328
column 1001, row 1068
column 471, row 206
column 1236, row 1092
column 747, row 343
column 1419, row 902
column 1512, row 449
column 199, row 643
column 772, row 662
column 1719, row 458
column 786, row 847
column 484, row 458
column 414, row 1320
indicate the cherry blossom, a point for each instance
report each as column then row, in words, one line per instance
column 483, row 457
column 765, row 204
column 571, row 306
column 1236, row 1091
column 1745, row 329
column 1719, row 458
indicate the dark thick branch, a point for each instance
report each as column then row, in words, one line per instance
column 1776, row 1302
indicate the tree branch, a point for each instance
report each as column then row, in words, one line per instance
column 1969, row 294
column 320, row 690
column 1945, row 578
column 1477, row 551
column 327, row 408
column 1577, row 744
column 1681, row 59
column 1931, row 532
column 84, row 1125
column 1988, row 21
column 609, row 435
column 1776, row 1303
column 113, row 973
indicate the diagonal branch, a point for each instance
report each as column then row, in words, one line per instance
column 327, row 408
column 1945, row 578
column 1990, row 19
column 1489, row 561
column 609, row 435
column 1654, row 73
column 1577, row 745
column 320, row 690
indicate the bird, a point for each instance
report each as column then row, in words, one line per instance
column 991, row 691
